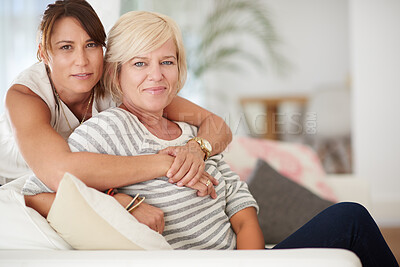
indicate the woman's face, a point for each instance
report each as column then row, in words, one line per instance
column 149, row 82
column 75, row 60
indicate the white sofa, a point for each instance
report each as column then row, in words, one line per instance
column 344, row 188
column 178, row 258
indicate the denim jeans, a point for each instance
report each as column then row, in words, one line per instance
column 344, row 225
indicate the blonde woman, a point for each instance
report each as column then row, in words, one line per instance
column 145, row 67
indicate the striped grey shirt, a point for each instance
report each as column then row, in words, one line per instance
column 191, row 222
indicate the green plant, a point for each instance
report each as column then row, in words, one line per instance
column 229, row 20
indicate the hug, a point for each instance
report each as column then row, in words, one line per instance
column 114, row 123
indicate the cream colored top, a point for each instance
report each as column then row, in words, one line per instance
column 12, row 164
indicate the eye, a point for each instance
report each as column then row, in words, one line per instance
column 92, row 45
column 66, row 47
column 167, row 62
column 139, row 64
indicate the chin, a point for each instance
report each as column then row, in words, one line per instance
column 84, row 89
column 156, row 105
column 155, row 108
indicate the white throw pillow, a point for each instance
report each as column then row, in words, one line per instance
column 22, row 227
column 89, row 219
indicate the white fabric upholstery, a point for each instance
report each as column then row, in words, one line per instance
column 22, row 227
column 183, row 258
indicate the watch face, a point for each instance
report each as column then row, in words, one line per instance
column 207, row 145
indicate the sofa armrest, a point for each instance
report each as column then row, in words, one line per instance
column 282, row 258
column 348, row 187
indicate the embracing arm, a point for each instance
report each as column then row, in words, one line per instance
column 188, row 165
column 49, row 155
column 248, row 232
column 211, row 127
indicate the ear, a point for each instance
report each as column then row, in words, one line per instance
column 43, row 55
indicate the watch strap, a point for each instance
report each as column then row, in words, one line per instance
column 201, row 142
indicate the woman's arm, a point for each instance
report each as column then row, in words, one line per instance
column 151, row 216
column 189, row 165
column 211, row 127
column 49, row 155
column 248, row 232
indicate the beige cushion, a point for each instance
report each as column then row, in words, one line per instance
column 89, row 219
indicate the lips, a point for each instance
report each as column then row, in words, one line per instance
column 82, row 76
column 155, row 90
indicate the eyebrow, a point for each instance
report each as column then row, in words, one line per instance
column 71, row 42
column 138, row 57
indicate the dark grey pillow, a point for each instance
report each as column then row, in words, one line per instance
column 284, row 205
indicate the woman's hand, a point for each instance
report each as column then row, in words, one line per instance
column 151, row 216
column 205, row 186
column 188, row 166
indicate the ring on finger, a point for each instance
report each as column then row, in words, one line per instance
column 208, row 182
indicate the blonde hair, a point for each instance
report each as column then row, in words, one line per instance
column 137, row 33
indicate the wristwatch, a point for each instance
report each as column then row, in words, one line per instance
column 204, row 145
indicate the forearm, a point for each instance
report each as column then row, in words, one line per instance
column 250, row 237
column 102, row 171
column 43, row 202
column 247, row 229
column 211, row 127
column 216, row 131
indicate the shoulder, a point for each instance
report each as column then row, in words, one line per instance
column 33, row 77
column 110, row 120
column 20, row 101
column 35, row 82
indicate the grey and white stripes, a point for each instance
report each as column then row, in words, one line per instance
column 191, row 222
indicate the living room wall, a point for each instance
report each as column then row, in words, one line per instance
column 376, row 93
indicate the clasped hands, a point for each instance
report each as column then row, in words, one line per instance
column 188, row 169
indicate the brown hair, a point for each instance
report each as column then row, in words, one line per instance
column 81, row 11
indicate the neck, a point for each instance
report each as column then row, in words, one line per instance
column 76, row 100
column 155, row 123
column 145, row 117
column 79, row 104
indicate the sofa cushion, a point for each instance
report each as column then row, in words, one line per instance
column 297, row 162
column 23, row 227
column 89, row 219
column 284, row 205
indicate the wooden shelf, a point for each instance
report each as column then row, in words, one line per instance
column 271, row 106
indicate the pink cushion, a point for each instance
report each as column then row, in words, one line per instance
column 295, row 161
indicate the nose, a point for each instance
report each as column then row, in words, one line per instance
column 155, row 73
column 81, row 58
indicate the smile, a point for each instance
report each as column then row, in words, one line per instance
column 155, row 90
column 82, row 76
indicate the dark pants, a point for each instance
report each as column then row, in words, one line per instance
column 348, row 226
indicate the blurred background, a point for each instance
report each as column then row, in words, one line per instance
column 325, row 73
